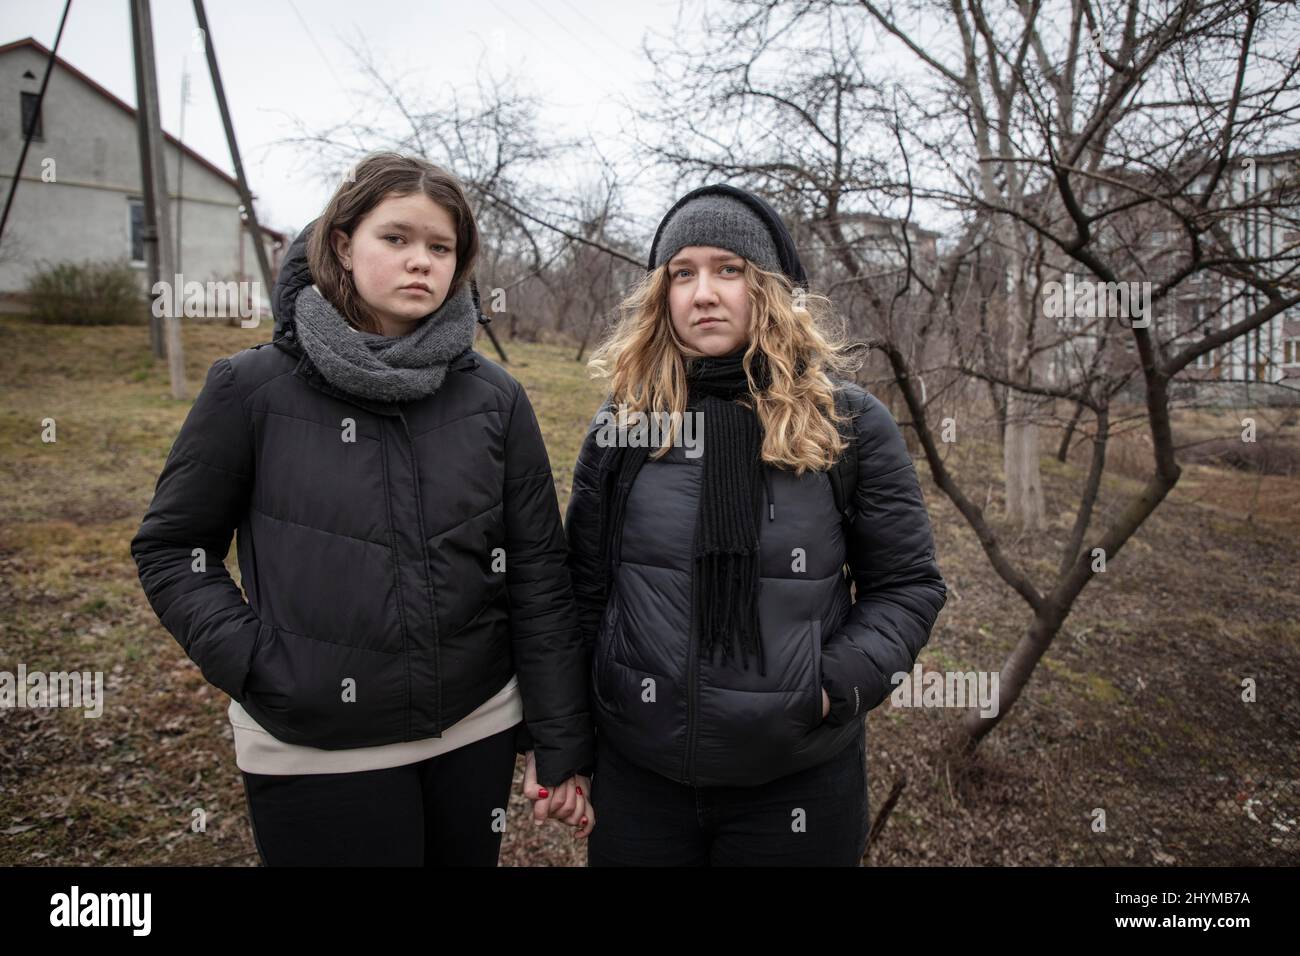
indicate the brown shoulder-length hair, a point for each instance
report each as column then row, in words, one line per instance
column 369, row 183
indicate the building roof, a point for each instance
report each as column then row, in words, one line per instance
column 888, row 221
column 44, row 51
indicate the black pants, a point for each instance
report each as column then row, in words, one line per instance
column 448, row 810
column 816, row 817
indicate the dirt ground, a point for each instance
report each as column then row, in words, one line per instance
column 1136, row 712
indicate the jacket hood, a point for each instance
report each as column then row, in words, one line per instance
column 785, row 249
column 293, row 278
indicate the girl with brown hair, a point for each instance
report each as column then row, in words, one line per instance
column 407, row 618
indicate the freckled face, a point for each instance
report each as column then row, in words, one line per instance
column 708, row 299
column 402, row 256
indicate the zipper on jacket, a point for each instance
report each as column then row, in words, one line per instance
column 428, row 583
column 692, row 689
column 692, row 682
column 817, row 668
column 397, row 570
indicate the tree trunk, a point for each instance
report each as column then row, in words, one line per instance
column 1024, row 479
column 1023, row 475
column 1012, row 680
column 1063, row 452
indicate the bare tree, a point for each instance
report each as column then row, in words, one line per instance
column 779, row 99
column 1107, row 141
column 487, row 133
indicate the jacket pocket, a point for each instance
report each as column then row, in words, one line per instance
column 604, row 653
column 265, row 678
column 263, row 635
column 323, row 694
column 247, row 543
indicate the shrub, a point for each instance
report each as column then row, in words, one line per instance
column 1267, row 454
column 93, row 292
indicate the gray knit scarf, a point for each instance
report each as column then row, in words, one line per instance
column 385, row 368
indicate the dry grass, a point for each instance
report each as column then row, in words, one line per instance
column 1136, row 709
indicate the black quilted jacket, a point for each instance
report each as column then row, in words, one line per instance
column 423, row 559
column 707, row 724
column 704, row 723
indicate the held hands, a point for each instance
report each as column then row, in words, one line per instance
column 569, row 801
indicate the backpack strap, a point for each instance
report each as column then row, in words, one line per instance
column 844, row 473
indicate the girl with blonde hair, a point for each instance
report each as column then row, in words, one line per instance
column 746, row 597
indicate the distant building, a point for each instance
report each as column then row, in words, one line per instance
column 883, row 242
column 79, row 194
column 1257, row 197
column 1271, row 352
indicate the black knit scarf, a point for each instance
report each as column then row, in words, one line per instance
column 726, row 555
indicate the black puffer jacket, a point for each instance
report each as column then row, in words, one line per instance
column 707, row 724
column 374, row 559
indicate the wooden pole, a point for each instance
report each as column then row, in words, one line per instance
column 154, row 173
column 148, row 234
column 27, row 133
column 245, row 195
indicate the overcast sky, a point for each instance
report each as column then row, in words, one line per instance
column 288, row 58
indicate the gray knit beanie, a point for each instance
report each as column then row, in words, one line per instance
column 721, row 221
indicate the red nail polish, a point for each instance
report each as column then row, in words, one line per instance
column 541, row 792
column 584, row 821
column 579, row 791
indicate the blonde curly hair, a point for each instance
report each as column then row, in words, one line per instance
column 798, row 333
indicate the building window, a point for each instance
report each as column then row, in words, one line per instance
column 1291, row 352
column 135, row 230
column 1212, row 359
column 1169, row 326
column 32, row 117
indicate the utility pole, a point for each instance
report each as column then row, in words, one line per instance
column 245, row 195
column 157, row 235
column 36, row 115
column 148, row 232
column 180, row 166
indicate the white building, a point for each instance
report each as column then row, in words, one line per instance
column 79, row 193
column 1259, row 196
column 1269, row 185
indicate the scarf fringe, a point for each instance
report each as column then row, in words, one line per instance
column 726, row 560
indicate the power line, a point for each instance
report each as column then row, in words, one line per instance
column 36, row 116
column 329, row 64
